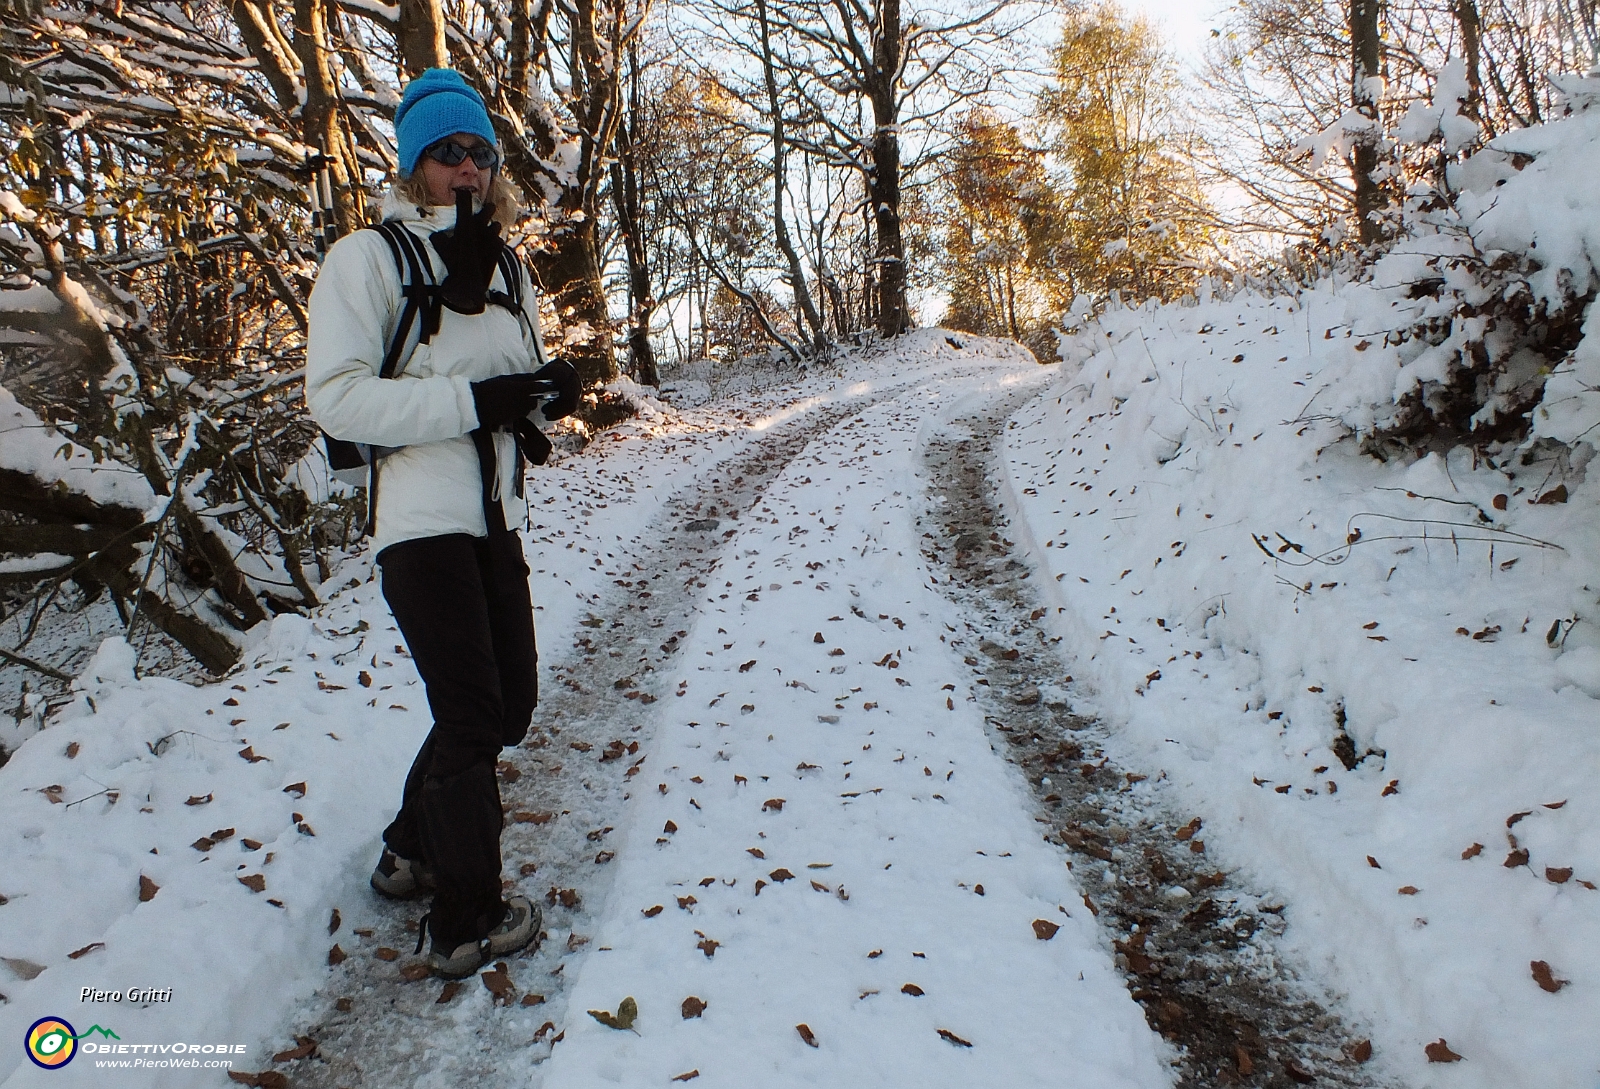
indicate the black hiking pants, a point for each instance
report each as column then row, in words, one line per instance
column 463, row 606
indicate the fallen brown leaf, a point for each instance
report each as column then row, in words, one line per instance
column 91, row 947
column 336, row 957
column 1361, row 1050
column 254, row 882
column 806, row 1034
column 1439, row 1052
column 413, row 973
column 688, row 1075
column 1044, row 929
column 450, row 990
column 946, row 1034
column 147, row 889
column 693, row 1007
column 1545, row 978
column 773, row 804
column 1558, row 875
column 197, row 799
column 498, row 982
column 1298, row 1073
column 307, row 1048
column 24, row 969
column 1472, row 852
column 913, row 990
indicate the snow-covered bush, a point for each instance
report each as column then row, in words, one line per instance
column 1502, row 263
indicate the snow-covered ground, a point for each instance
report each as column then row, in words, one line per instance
column 819, row 802
column 196, row 840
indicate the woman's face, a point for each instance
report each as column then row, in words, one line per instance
column 444, row 181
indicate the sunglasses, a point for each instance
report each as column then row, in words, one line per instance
column 450, row 153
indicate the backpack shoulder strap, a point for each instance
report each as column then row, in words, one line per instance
column 416, row 287
column 511, row 275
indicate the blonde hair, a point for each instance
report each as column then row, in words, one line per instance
column 506, row 197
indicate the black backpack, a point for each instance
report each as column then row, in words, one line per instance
column 356, row 463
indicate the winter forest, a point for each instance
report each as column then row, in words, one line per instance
column 1073, row 564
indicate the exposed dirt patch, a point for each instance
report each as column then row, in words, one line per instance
column 563, row 792
column 1197, row 944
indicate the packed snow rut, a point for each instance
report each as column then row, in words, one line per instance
column 562, row 790
column 1196, row 945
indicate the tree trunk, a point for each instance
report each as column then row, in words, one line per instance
column 570, row 275
column 258, row 27
column 883, row 189
column 1366, row 57
column 320, row 119
column 780, row 224
column 1471, row 23
column 883, row 184
column 625, row 196
column 422, row 36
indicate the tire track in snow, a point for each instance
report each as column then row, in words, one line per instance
column 563, row 789
column 1196, row 945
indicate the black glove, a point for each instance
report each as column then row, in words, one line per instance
column 471, row 253
column 568, row 388
column 506, row 398
column 535, row 447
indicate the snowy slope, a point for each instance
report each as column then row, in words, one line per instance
column 1427, row 880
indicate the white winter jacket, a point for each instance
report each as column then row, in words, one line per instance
column 432, row 485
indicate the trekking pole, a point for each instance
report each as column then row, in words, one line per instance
column 313, row 169
column 330, row 225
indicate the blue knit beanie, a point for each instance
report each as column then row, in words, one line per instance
column 435, row 105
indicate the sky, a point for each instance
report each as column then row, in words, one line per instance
column 1184, row 24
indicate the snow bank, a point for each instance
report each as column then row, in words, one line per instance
column 1256, row 604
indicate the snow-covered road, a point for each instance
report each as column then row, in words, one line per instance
column 814, row 804
column 822, row 835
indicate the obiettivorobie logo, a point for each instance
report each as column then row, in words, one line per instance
column 52, row 1042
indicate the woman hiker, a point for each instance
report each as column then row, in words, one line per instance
column 449, row 413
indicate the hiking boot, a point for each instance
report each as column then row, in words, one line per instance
column 519, row 927
column 460, row 962
column 401, row 878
